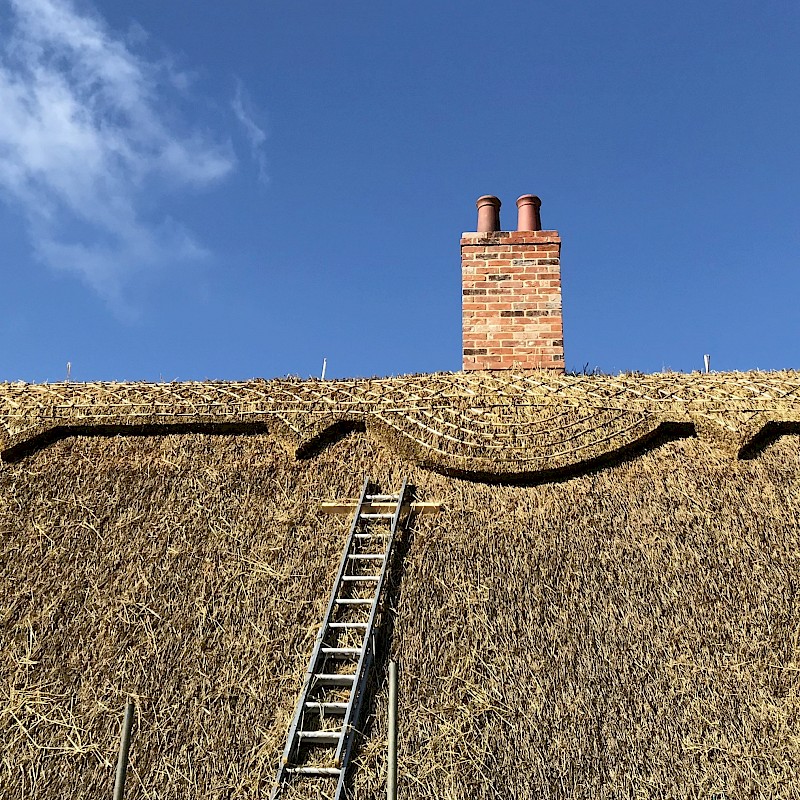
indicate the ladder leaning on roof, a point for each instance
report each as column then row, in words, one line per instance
column 323, row 729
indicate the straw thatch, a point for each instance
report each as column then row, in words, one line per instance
column 628, row 630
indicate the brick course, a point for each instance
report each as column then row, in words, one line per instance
column 511, row 300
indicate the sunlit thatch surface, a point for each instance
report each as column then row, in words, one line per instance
column 631, row 632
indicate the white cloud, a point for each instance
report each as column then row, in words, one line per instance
column 256, row 136
column 88, row 135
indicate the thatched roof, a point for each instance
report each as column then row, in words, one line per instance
column 622, row 622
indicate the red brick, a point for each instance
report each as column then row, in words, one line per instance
column 529, row 291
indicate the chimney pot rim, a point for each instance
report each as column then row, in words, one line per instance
column 488, row 200
column 529, row 199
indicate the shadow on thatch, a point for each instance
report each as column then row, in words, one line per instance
column 335, row 432
column 666, row 432
column 16, row 452
column 328, row 436
column 767, row 435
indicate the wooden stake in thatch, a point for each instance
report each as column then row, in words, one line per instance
column 124, row 747
column 391, row 778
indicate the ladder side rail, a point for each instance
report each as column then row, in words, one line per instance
column 399, row 509
column 356, row 705
column 312, row 664
column 349, row 719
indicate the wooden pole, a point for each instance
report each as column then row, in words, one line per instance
column 124, row 747
column 391, row 778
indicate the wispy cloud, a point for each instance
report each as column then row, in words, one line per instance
column 89, row 134
column 256, row 136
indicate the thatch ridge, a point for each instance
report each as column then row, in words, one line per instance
column 528, row 425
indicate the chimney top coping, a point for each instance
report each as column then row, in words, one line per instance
column 509, row 237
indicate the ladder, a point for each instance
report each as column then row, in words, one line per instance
column 323, row 729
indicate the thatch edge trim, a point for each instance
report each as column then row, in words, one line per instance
column 314, row 439
column 650, row 434
column 748, row 442
column 16, row 448
column 763, row 432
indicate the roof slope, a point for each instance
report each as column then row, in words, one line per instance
column 628, row 629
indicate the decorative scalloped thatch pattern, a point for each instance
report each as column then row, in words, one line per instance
column 490, row 424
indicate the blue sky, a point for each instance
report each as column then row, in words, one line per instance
column 230, row 190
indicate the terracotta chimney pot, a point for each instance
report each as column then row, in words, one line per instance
column 528, row 218
column 488, row 214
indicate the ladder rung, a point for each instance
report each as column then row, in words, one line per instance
column 328, row 708
column 376, row 516
column 348, row 624
column 356, row 578
column 332, row 679
column 320, row 737
column 367, row 556
column 355, row 601
column 322, row 772
column 381, row 534
column 341, row 651
column 384, row 498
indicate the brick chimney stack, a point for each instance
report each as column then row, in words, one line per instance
column 511, row 287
